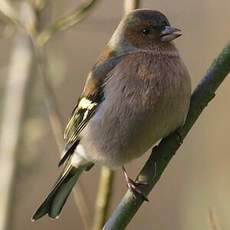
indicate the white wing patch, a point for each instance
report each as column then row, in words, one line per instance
column 86, row 104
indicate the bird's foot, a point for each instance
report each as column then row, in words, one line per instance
column 135, row 187
column 179, row 136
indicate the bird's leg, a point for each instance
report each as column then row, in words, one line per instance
column 179, row 136
column 89, row 167
column 134, row 186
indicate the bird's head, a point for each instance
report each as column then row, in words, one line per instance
column 143, row 29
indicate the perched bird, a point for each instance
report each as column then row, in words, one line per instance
column 137, row 93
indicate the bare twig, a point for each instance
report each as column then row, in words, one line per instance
column 17, row 89
column 130, row 5
column 55, row 116
column 212, row 220
column 162, row 154
column 66, row 22
column 8, row 10
column 103, row 198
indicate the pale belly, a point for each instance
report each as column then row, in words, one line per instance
column 119, row 134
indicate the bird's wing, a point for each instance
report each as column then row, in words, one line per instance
column 88, row 103
column 84, row 110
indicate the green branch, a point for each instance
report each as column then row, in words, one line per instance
column 163, row 153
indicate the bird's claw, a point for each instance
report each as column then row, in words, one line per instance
column 134, row 187
column 179, row 136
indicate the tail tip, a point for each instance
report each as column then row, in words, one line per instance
column 53, row 217
column 33, row 219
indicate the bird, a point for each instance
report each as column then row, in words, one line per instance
column 137, row 93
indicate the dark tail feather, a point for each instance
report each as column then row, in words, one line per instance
column 68, row 151
column 56, row 199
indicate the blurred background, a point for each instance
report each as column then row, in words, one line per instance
column 193, row 192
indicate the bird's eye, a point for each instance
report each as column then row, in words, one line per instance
column 146, row 31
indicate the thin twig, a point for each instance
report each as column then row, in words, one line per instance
column 66, row 22
column 162, row 154
column 55, row 116
column 130, row 5
column 103, row 198
column 212, row 220
column 8, row 10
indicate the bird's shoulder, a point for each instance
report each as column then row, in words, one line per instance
column 89, row 100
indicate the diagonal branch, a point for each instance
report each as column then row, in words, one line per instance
column 8, row 10
column 163, row 153
column 66, row 22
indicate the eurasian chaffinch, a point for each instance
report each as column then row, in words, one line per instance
column 137, row 93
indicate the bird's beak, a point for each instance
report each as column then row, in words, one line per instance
column 169, row 33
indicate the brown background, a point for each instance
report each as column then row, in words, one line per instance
column 197, row 179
